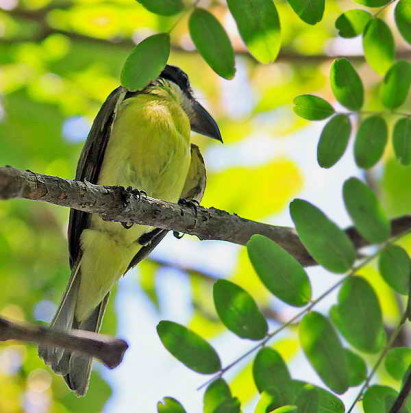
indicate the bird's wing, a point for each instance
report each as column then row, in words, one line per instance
column 193, row 190
column 88, row 168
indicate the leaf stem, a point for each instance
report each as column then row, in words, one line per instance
column 383, row 8
column 379, row 361
column 183, row 13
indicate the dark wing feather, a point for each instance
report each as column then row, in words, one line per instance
column 88, row 167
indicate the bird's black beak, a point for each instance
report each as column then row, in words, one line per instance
column 202, row 122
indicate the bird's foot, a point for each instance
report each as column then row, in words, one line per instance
column 126, row 193
column 178, row 235
column 192, row 203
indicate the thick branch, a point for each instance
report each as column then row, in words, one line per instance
column 117, row 205
column 109, row 350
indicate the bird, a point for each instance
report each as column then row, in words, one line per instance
column 139, row 140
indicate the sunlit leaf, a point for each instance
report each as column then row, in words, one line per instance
column 403, row 18
column 328, row 402
column 266, row 403
column 280, row 272
column 396, row 84
column 163, row 7
column 378, row 399
column 188, row 347
column 402, row 141
column 358, row 315
column 324, row 351
column 398, row 361
column 395, row 267
column 333, row 141
column 327, row 243
column 370, row 141
column 145, row 62
column 238, row 311
column 217, row 393
column 308, row 401
column 312, row 107
column 357, row 369
column 352, row 23
column 286, row 409
column 346, row 84
column 372, row 3
column 271, row 375
column 378, row 43
column 170, row 405
column 366, row 212
column 212, row 41
column 260, row 31
column 309, row 11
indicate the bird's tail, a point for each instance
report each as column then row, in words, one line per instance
column 74, row 366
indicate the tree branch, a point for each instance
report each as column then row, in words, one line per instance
column 403, row 395
column 109, row 350
column 118, row 205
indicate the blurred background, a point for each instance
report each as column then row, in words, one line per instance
column 59, row 61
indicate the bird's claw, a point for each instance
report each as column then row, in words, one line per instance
column 192, row 203
column 178, row 235
column 127, row 225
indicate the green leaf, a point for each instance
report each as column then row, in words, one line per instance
column 211, row 40
column 309, row 11
column 357, row 369
column 352, row 23
column 398, row 361
column 327, row 243
column 333, row 141
column 308, row 401
column 260, row 31
column 217, row 393
column 346, row 85
column 271, row 375
column 358, row 315
column 170, row 405
column 396, row 84
column 403, row 19
column 395, row 267
column 229, row 406
column 372, row 3
column 402, row 141
column 238, row 311
column 324, row 351
column 370, row 141
column 378, row 399
column 279, row 271
column 188, row 347
column 328, row 402
column 366, row 212
column 312, row 107
column 163, row 7
column 378, row 43
column 145, row 62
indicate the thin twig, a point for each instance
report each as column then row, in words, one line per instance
column 404, row 393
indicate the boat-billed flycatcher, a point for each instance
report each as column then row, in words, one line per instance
column 138, row 139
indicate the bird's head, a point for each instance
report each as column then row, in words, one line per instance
column 200, row 120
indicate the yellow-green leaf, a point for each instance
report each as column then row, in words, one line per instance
column 346, row 84
column 170, row 405
column 145, row 62
column 216, row 394
column 212, row 41
column 309, row 11
column 378, row 43
column 163, row 7
column 352, row 23
column 403, row 18
column 259, row 26
column 372, row 3
column 312, row 107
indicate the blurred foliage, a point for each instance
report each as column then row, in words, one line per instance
column 59, row 60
